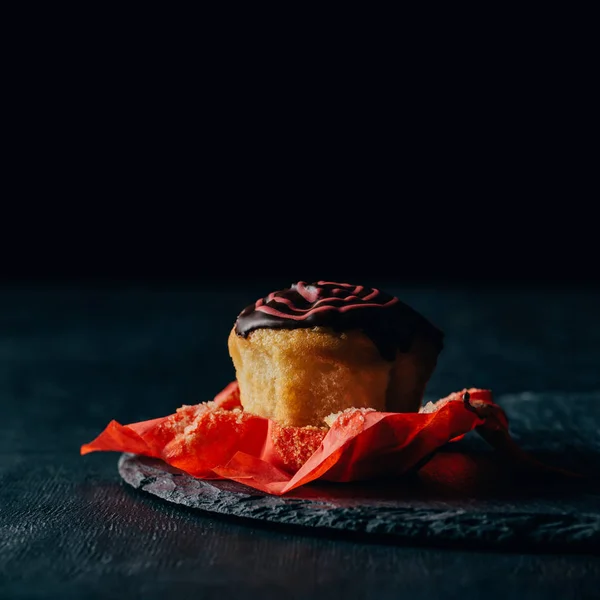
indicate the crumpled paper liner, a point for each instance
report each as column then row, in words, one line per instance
column 217, row 440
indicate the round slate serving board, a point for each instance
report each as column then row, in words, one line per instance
column 466, row 496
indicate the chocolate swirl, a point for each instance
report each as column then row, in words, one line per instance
column 391, row 324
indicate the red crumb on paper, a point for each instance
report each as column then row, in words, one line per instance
column 293, row 446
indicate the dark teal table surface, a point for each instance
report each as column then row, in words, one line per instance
column 73, row 358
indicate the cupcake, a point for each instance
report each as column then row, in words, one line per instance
column 312, row 350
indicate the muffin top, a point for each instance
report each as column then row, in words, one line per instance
column 389, row 323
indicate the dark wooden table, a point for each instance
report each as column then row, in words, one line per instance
column 72, row 359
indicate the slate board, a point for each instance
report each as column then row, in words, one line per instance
column 467, row 495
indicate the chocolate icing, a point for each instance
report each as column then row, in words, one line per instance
column 388, row 322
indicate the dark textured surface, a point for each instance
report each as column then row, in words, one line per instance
column 466, row 496
column 70, row 528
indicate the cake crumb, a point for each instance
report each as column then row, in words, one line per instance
column 346, row 414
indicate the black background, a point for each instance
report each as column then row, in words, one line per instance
column 367, row 236
column 180, row 169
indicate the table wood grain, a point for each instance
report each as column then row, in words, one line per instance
column 72, row 359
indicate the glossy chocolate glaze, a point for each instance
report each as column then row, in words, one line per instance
column 388, row 322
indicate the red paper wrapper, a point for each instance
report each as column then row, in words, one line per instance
column 217, row 439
